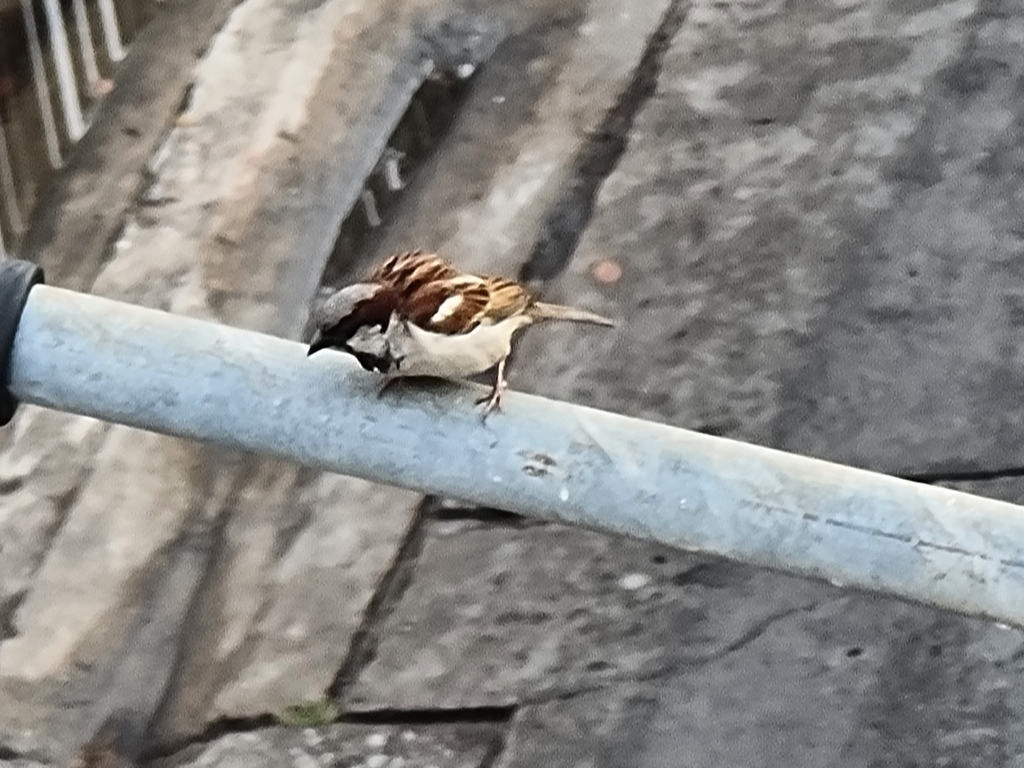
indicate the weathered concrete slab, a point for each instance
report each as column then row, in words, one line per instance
column 597, row 728
column 757, row 164
column 317, row 589
column 378, row 57
column 689, row 717
column 496, row 616
column 834, row 685
column 99, row 545
column 940, row 295
column 748, row 216
column 251, row 90
column 239, row 650
column 781, row 170
column 40, row 478
column 785, row 160
column 736, row 666
column 443, row 746
column 482, row 196
column 82, row 210
column 169, row 580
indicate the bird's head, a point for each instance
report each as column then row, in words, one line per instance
column 338, row 316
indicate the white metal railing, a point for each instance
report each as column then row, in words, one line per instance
column 59, row 64
column 39, row 80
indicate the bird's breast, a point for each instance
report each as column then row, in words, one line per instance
column 423, row 353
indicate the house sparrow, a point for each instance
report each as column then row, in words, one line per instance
column 430, row 319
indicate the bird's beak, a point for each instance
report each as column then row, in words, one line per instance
column 317, row 343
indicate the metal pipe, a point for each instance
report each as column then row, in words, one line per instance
column 195, row 379
column 60, row 49
column 8, row 188
column 35, row 52
column 111, row 32
column 85, row 46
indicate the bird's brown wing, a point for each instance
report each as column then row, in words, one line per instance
column 506, row 298
column 438, row 297
column 462, row 303
column 449, row 307
column 411, row 270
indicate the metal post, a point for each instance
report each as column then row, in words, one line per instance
column 85, row 47
column 111, row 32
column 35, row 51
column 8, row 188
column 548, row 459
column 66, row 86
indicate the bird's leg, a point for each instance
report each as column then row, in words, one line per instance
column 390, row 367
column 493, row 399
column 389, row 379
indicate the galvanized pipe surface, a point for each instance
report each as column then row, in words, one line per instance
column 538, row 457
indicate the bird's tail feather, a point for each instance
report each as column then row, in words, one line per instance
column 539, row 310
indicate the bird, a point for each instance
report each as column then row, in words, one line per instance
column 429, row 318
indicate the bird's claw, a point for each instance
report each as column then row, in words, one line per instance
column 388, row 382
column 493, row 400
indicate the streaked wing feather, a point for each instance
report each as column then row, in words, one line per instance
column 424, row 304
column 432, row 281
column 412, row 270
column 507, row 298
column 466, row 316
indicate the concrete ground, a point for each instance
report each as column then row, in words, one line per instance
column 808, row 216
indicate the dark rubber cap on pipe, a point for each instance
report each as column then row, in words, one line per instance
column 16, row 281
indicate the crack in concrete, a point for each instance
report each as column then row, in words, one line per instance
column 599, row 155
column 216, row 729
column 596, row 160
column 8, row 608
column 483, row 715
column 496, row 749
column 392, row 586
column 9, row 754
column 131, row 734
column 607, row 684
column 116, row 743
column 758, row 630
column 673, row 666
column 499, row 713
